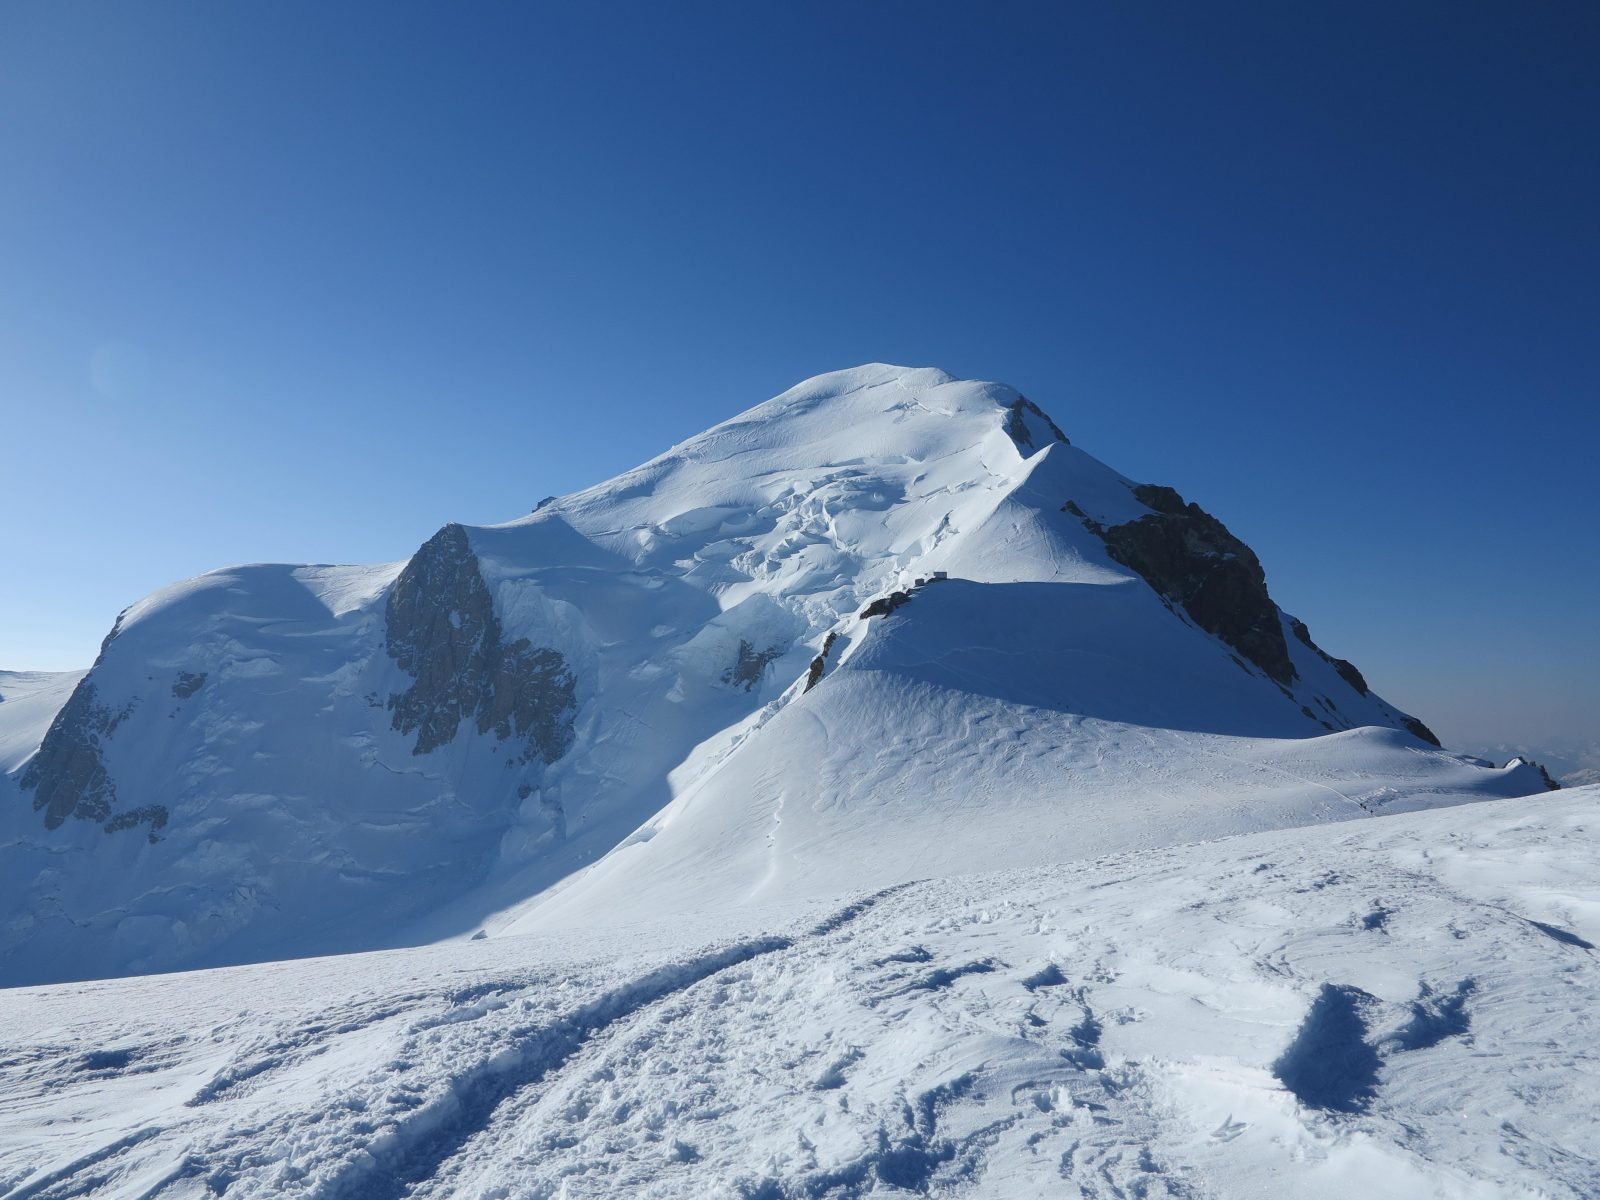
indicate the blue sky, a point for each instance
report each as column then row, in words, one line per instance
column 303, row 281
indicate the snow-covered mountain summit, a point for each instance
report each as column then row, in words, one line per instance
column 887, row 624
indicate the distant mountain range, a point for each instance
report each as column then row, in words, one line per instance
column 1571, row 764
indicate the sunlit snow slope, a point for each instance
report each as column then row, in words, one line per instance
column 31, row 700
column 673, row 668
column 1401, row 1009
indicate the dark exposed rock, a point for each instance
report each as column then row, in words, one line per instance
column 68, row 776
column 1190, row 558
column 188, row 684
column 884, row 605
column 443, row 632
column 751, row 664
column 154, row 815
column 1347, row 672
column 820, row 662
column 1417, row 729
column 530, row 695
column 1346, row 669
column 1160, row 497
column 1017, row 426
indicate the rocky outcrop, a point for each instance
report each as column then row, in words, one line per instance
column 1417, row 729
column 1347, row 670
column 820, row 662
column 1191, row 560
column 68, row 776
column 750, row 665
column 531, row 696
column 442, row 630
column 1550, row 784
column 1017, row 425
column 153, row 815
column 187, row 684
column 884, row 605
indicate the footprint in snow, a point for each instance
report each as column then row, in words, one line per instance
column 1047, row 976
column 1229, row 1129
column 834, row 1076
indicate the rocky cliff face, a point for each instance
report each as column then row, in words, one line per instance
column 750, row 665
column 1192, row 561
column 1030, row 427
column 68, row 776
column 442, row 631
column 1347, row 670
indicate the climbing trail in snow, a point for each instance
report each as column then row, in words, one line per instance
column 1298, row 1012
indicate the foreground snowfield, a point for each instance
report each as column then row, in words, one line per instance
column 1397, row 1007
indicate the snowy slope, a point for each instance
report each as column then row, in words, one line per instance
column 1395, row 1008
column 273, row 760
column 918, row 758
column 29, row 701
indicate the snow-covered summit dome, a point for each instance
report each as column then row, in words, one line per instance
column 888, row 607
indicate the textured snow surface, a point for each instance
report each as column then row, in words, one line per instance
column 911, row 761
column 1404, row 1007
column 250, row 798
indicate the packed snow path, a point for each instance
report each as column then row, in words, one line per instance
column 1403, row 1007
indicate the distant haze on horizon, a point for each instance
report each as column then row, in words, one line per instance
column 303, row 283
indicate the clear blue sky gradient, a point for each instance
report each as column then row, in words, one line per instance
column 302, row 281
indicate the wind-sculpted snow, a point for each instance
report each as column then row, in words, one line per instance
column 273, row 760
column 1216, row 1020
column 1076, row 747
